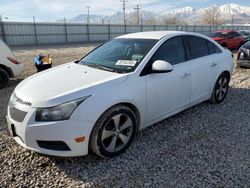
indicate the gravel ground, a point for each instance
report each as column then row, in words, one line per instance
column 205, row 146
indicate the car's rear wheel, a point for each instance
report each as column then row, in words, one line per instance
column 113, row 132
column 4, row 78
column 220, row 89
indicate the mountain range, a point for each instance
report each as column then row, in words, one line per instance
column 188, row 14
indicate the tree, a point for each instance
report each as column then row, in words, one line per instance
column 211, row 16
column 151, row 21
column 173, row 21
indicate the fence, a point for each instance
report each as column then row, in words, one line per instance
column 19, row 34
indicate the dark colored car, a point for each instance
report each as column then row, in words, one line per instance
column 245, row 34
column 228, row 38
column 243, row 58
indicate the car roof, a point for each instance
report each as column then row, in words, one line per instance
column 151, row 34
column 224, row 31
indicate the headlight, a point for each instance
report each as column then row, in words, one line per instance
column 58, row 113
column 12, row 98
column 242, row 55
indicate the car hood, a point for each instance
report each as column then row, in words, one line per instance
column 247, row 45
column 64, row 83
column 217, row 38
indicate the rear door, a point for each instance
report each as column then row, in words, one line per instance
column 236, row 39
column 203, row 59
column 231, row 42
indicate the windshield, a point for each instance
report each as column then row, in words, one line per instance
column 219, row 35
column 119, row 55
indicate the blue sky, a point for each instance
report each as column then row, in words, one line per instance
column 56, row 9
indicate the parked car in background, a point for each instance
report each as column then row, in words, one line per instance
column 9, row 65
column 243, row 58
column 123, row 86
column 245, row 34
column 228, row 39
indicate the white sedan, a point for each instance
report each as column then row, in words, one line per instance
column 9, row 65
column 121, row 87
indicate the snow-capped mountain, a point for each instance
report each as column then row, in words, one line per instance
column 225, row 11
column 180, row 11
column 188, row 14
column 83, row 18
column 234, row 9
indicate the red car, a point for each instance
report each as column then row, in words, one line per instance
column 228, row 38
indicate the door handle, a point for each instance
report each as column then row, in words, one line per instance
column 213, row 64
column 186, row 75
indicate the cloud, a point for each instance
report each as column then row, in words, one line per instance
column 56, row 9
column 67, row 7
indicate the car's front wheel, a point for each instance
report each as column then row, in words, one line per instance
column 113, row 132
column 4, row 78
column 220, row 89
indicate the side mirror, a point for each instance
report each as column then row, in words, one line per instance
column 230, row 37
column 160, row 66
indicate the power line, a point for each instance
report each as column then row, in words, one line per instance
column 137, row 8
column 124, row 10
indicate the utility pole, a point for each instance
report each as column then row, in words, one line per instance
column 65, row 30
column 35, row 32
column 124, row 10
column 137, row 8
column 88, row 19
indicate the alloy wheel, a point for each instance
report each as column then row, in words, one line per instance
column 221, row 88
column 117, row 132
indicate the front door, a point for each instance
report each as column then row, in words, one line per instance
column 167, row 92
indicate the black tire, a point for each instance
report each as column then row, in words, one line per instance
column 220, row 89
column 101, row 142
column 4, row 78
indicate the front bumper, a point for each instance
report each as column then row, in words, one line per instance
column 28, row 133
column 17, row 69
column 243, row 63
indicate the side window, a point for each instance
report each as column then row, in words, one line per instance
column 212, row 48
column 229, row 35
column 171, row 51
column 217, row 50
column 198, row 47
column 235, row 34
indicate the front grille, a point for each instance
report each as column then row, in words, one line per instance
column 16, row 114
column 248, row 54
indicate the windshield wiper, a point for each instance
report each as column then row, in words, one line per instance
column 94, row 65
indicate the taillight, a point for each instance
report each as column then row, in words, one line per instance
column 12, row 60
